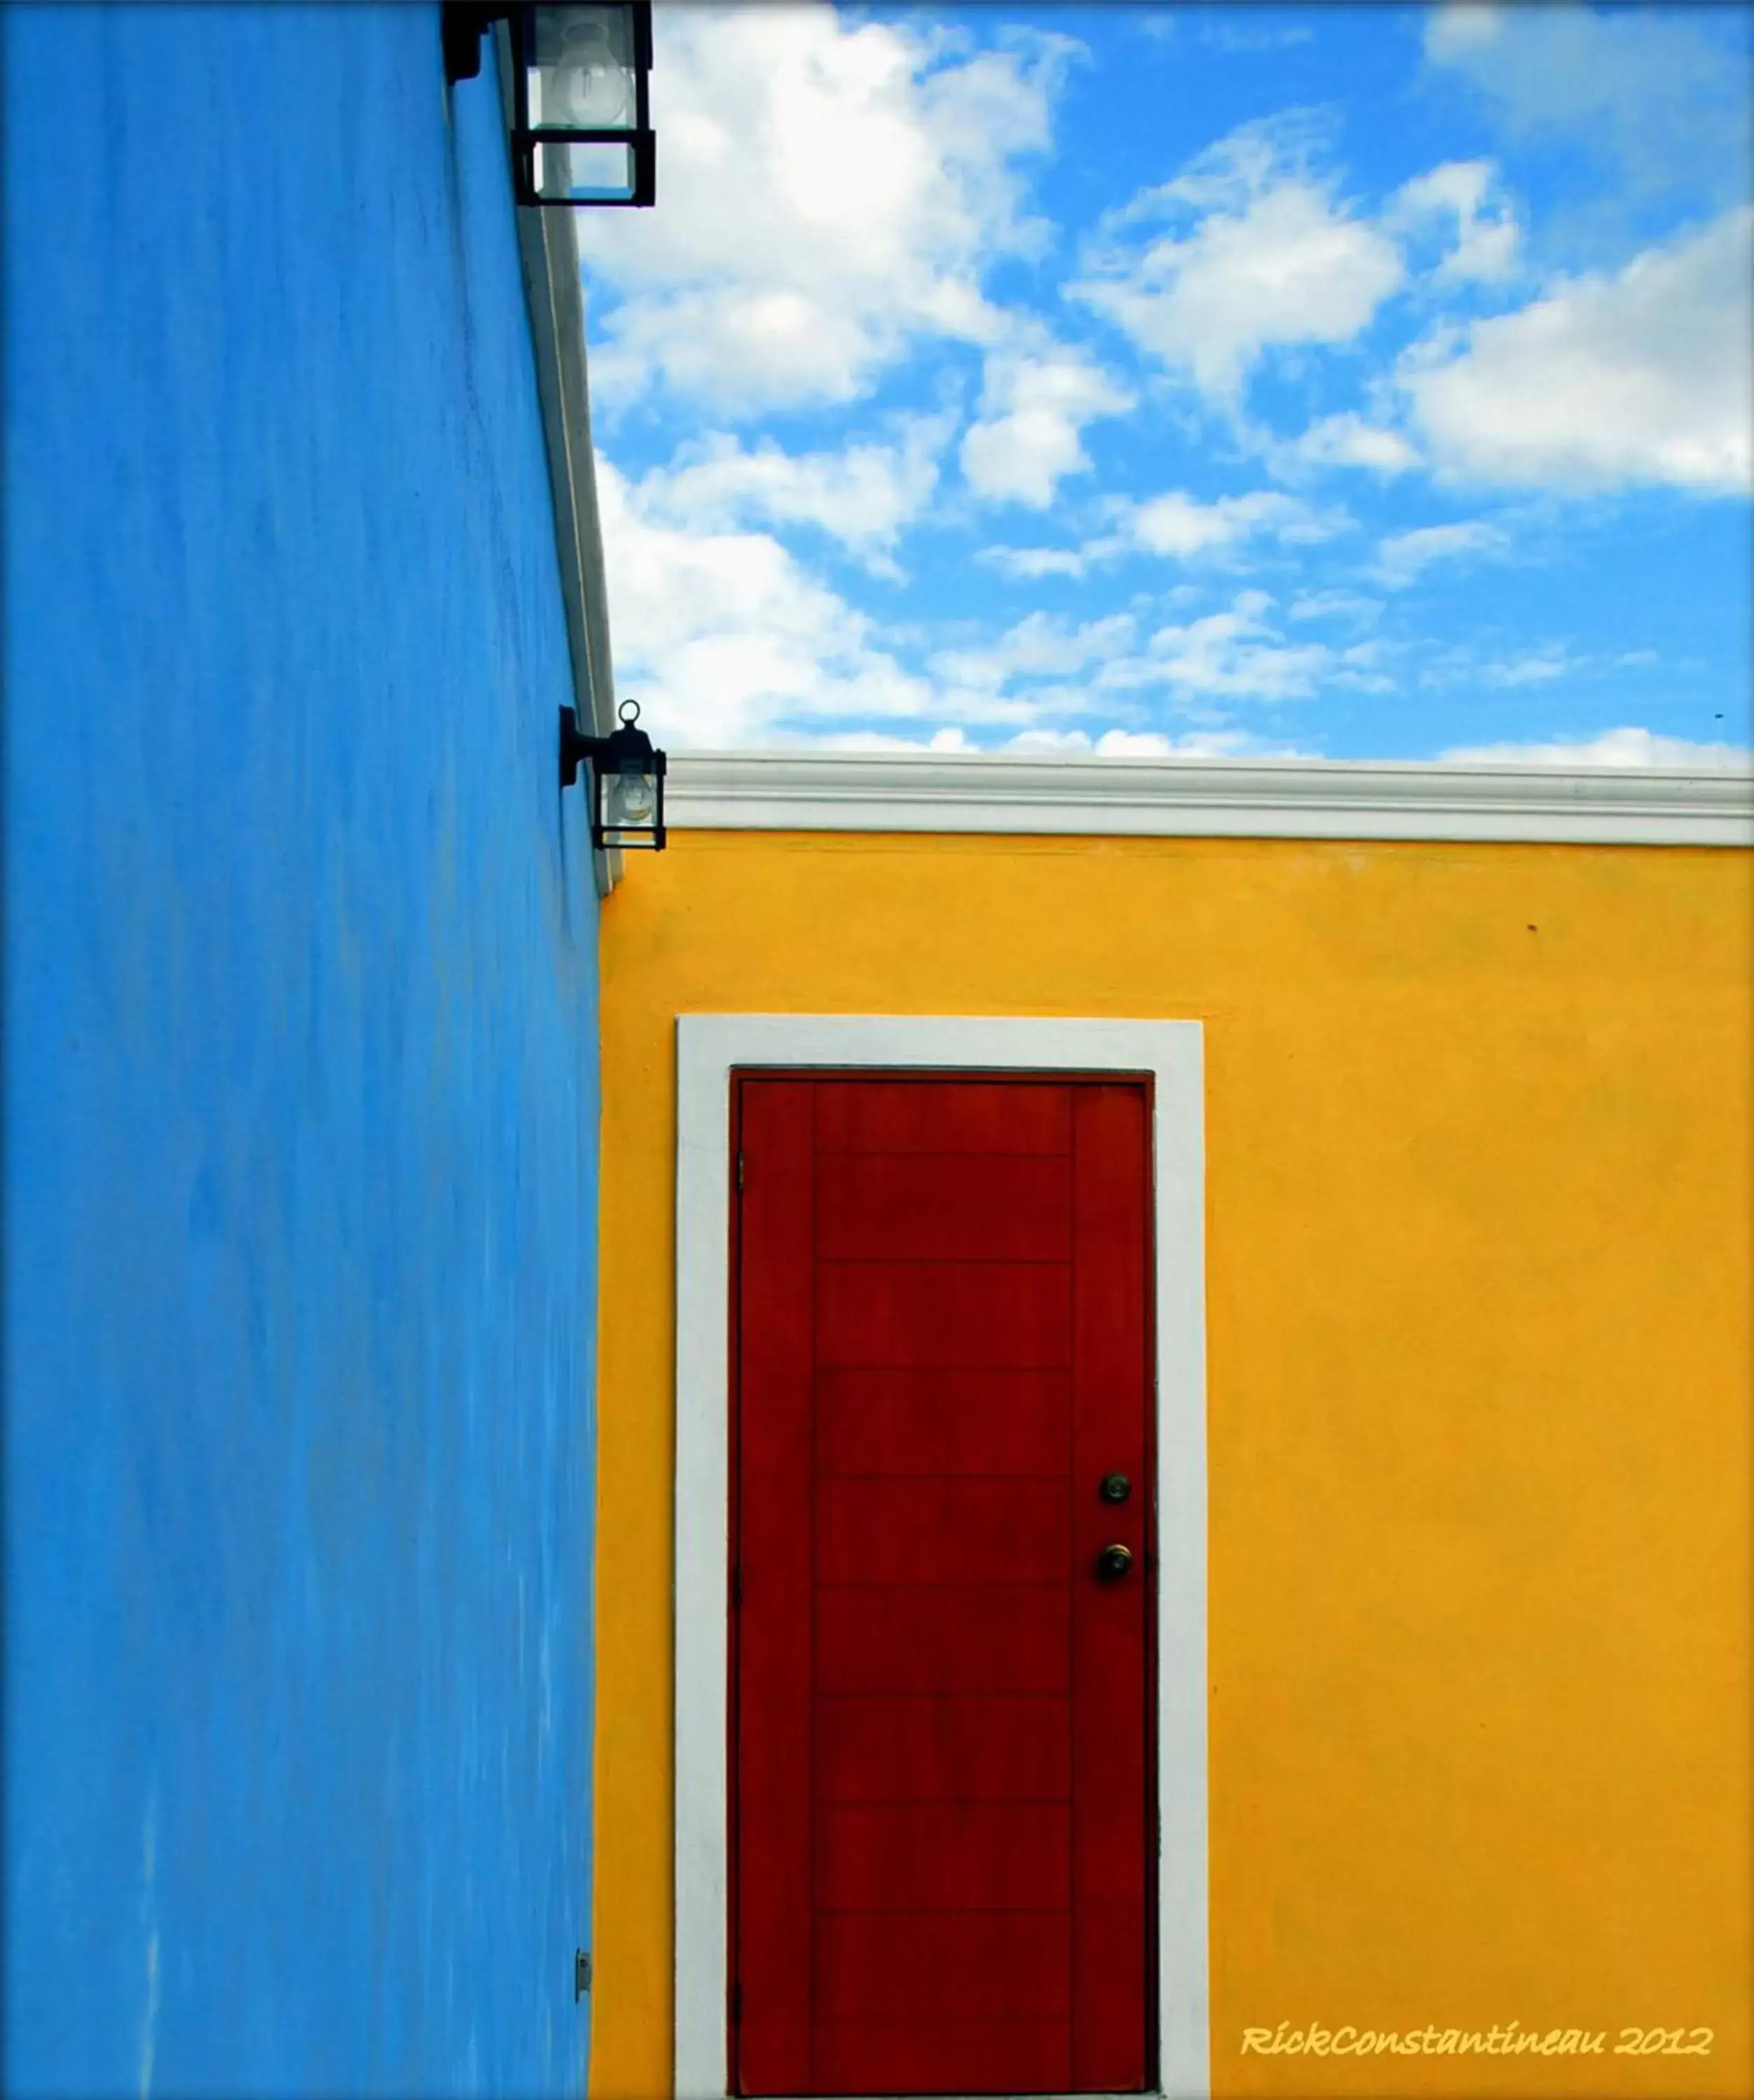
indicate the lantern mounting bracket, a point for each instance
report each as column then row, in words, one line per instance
column 462, row 26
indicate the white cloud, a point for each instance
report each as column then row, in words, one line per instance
column 1230, row 31
column 831, row 191
column 1486, row 234
column 863, row 496
column 1206, row 667
column 1151, row 744
column 953, row 741
column 1461, row 665
column 1535, row 667
column 1403, row 556
column 1348, row 440
column 1033, row 405
column 1039, row 647
column 1360, row 667
column 729, row 640
column 1336, row 605
column 1232, row 656
column 1266, row 256
column 1028, row 564
column 1455, row 29
column 1176, row 524
column 1209, row 659
column 1640, row 376
column 1661, row 91
column 1614, row 747
column 1048, row 743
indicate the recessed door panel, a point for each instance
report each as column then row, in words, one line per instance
column 942, row 1746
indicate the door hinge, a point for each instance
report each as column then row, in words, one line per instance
column 581, row 1975
column 737, row 1585
column 739, row 1173
column 736, row 2003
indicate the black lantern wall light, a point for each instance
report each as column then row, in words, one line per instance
column 581, row 123
column 627, row 780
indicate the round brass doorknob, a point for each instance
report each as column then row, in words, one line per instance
column 1112, row 1563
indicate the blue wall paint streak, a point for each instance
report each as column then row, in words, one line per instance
column 301, row 1073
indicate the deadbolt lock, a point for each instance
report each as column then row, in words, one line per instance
column 1115, row 1487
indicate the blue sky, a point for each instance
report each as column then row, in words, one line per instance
column 1362, row 382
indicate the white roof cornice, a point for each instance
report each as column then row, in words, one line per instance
column 1236, row 798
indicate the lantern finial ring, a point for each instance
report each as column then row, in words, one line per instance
column 622, row 711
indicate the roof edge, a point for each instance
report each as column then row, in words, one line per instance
column 548, row 246
column 1231, row 798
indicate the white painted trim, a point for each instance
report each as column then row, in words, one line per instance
column 708, row 1048
column 548, row 246
column 1240, row 798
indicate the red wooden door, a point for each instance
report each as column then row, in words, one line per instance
column 941, row 1810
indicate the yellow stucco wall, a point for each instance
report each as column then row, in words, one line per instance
column 1478, row 1288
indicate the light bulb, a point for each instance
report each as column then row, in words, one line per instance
column 590, row 85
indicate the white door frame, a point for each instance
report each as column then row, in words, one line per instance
column 710, row 1047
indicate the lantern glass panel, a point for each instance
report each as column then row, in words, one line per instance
column 630, row 802
column 582, row 71
column 568, row 172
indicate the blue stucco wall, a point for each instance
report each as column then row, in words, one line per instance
column 300, row 1066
